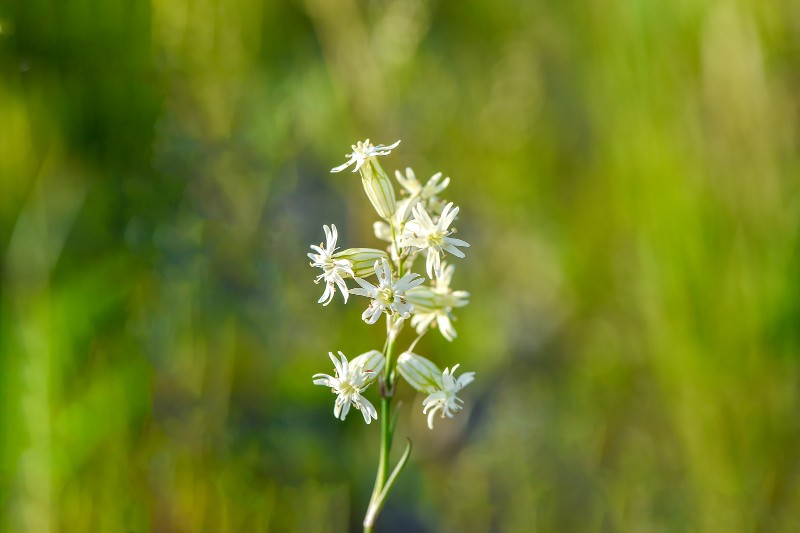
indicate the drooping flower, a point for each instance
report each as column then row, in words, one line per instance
column 434, row 306
column 389, row 295
column 423, row 234
column 349, row 381
column 417, row 193
column 333, row 269
column 363, row 152
column 414, row 187
column 445, row 400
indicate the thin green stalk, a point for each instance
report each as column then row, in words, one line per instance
column 386, row 435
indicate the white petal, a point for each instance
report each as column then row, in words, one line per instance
column 327, row 296
column 342, row 288
column 367, row 409
column 423, row 218
column 447, row 216
column 407, row 282
column 446, row 327
column 363, row 292
column 344, row 407
column 344, row 166
column 456, row 242
column 422, row 321
column 432, row 262
column 452, row 249
column 372, row 313
column 465, row 379
column 322, row 379
column 366, row 285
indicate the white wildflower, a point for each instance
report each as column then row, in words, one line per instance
column 333, row 269
column 389, row 295
column 434, row 306
column 439, row 318
column 445, row 399
column 417, row 193
column 348, row 383
column 423, row 234
column 363, row 152
column 415, row 189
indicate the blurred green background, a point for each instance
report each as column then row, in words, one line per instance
column 628, row 178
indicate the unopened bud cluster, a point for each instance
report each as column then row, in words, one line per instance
column 417, row 224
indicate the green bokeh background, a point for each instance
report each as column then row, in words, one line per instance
column 628, row 178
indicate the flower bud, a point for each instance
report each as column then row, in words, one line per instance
column 362, row 260
column 419, row 372
column 423, row 299
column 378, row 188
column 371, row 362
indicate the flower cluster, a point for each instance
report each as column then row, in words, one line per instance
column 417, row 224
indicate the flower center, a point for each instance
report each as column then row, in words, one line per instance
column 386, row 295
column 347, row 389
column 435, row 239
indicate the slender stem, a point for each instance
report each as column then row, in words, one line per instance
column 386, row 434
column 376, row 506
column 380, row 490
column 396, row 249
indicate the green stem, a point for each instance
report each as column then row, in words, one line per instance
column 376, row 505
column 386, row 435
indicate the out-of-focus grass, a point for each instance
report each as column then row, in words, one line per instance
column 627, row 173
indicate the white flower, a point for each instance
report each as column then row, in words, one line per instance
column 389, row 295
column 348, row 383
column 422, row 233
column 410, row 183
column 363, row 152
column 445, row 399
column 418, row 193
column 333, row 270
column 440, row 318
column 436, row 305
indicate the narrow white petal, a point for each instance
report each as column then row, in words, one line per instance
column 456, row 242
column 448, row 216
column 345, row 408
column 452, row 250
column 362, row 292
column 342, row 288
column 322, row 379
column 367, row 409
column 446, row 327
column 366, row 285
column 327, row 296
column 407, row 282
column 371, row 315
column 431, row 415
column 343, row 166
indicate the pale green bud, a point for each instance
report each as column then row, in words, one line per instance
column 362, row 260
column 423, row 298
column 378, row 188
column 372, row 362
column 419, row 372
